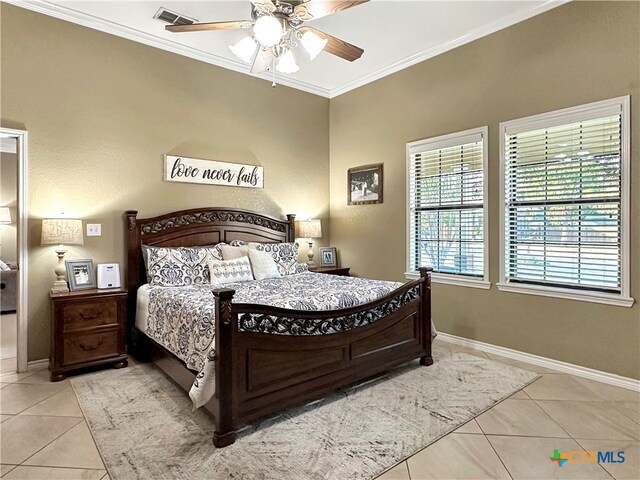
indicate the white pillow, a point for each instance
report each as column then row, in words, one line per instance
column 230, row 271
column 229, row 252
column 263, row 265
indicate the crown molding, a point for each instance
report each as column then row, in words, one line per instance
column 445, row 47
column 90, row 21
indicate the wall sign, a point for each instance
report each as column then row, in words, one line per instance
column 211, row 172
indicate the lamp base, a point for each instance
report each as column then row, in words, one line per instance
column 310, row 262
column 60, row 285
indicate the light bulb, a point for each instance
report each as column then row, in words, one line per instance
column 312, row 43
column 287, row 64
column 268, row 30
column 244, row 49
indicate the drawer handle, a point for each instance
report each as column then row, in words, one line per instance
column 89, row 347
column 91, row 315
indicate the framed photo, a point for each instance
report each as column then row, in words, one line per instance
column 80, row 274
column 364, row 184
column 328, row 257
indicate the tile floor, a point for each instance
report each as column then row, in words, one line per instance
column 45, row 436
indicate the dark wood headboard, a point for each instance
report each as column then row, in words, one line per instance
column 195, row 227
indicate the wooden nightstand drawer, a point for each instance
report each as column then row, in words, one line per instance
column 90, row 313
column 89, row 330
column 80, row 348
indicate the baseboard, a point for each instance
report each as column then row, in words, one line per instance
column 36, row 364
column 551, row 364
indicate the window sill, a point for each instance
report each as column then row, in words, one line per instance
column 594, row 297
column 452, row 280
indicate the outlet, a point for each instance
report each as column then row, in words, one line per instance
column 94, row 229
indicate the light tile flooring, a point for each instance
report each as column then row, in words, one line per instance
column 44, row 435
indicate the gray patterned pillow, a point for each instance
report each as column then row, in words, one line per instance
column 284, row 254
column 179, row 266
column 230, row 271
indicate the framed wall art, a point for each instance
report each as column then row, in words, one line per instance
column 364, row 184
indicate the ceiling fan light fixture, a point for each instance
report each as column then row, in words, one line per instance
column 268, row 30
column 312, row 43
column 287, row 63
column 244, row 49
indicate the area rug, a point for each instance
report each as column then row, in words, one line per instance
column 144, row 428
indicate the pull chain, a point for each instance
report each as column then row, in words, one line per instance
column 273, row 70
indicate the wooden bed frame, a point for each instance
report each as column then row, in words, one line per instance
column 257, row 374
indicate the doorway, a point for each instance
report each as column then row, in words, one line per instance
column 13, row 250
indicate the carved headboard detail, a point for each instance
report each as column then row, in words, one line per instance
column 195, row 227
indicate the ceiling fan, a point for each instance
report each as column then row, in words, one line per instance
column 278, row 26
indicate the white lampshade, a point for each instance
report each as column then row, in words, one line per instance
column 244, row 49
column 309, row 229
column 5, row 215
column 287, row 63
column 268, row 30
column 313, row 44
column 62, row 231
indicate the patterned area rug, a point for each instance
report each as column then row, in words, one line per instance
column 144, row 428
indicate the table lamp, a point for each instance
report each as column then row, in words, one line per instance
column 61, row 231
column 310, row 229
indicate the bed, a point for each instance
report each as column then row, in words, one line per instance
column 266, row 358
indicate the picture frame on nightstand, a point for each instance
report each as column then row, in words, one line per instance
column 80, row 274
column 328, row 257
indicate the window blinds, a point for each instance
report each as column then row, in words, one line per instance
column 563, row 204
column 446, row 192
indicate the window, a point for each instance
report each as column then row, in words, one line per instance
column 447, row 194
column 564, row 221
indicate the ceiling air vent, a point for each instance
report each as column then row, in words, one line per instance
column 172, row 17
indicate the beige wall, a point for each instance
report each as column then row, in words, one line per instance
column 578, row 53
column 101, row 111
column 9, row 198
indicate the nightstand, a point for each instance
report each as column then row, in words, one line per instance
column 89, row 330
column 343, row 271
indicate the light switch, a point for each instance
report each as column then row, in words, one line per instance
column 94, row 229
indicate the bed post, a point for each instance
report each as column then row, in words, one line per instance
column 425, row 272
column 291, row 234
column 132, row 270
column 224, row 434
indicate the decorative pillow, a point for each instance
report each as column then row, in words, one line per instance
column 215, row 251
column 230, row 271
column 237, row 243
column 229, row 252
column 300, row 268
column 212, row 251
column 263, row 265
column 284, row 254
column 177, row 267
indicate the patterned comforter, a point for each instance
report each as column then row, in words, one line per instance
column 182, row 318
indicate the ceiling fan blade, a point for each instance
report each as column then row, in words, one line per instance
column 264, row 5
column 337, row 47
column 321, row 8
column 262, row 62
column 199, row 27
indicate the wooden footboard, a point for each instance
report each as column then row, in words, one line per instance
column 270, row 358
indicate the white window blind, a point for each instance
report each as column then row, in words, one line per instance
column 563, row 203
column 446, row 204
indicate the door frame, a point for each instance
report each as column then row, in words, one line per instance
column 21, row 137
